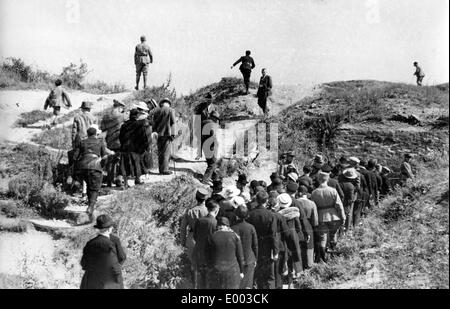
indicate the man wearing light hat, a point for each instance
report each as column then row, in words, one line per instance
column 331, row 215
column 163, row 125
column 350, row 196
column 89, row 155
column 229, row 204
column 142, row 58
column 134, row 142
column 111, row 123
column 82, row 122
column 187, row 225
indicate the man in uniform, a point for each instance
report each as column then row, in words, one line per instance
column 264, row 91
column 419, row 74
column 210, row 145
column 187, row 227
column 88, row 155
column 82, row 122
column 57, row 97
column 142, row 58
column 331, row 215
column 111, row 123
column 134, row 141
column 246, row 67
column 163, row 122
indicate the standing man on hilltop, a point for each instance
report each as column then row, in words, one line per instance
column 142, row 58
column 264, row 91
column 246, row 67
column 419, row 74
column 57, row 97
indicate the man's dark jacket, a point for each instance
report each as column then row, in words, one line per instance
column 249, row 240
column 101, row 263
column 163, row 121
column 203, row 229
column 134, row 136
column 265, row 224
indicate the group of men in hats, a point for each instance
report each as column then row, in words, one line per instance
column 257, row 235
column 123, row 149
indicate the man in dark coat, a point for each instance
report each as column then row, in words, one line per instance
column 163, row 124
column 264, row 91
column 134, row 141
column 226, row 257
column 201, row 114
column 249, row 241
column 310, row 210
column 102, row 258
column 111, row 124
column 265, row 225
column 210, row 145
column 246, row 67
column 203, row 230
column 305, row 180
column 217, row 193
column 420, row 75
column 88, row 155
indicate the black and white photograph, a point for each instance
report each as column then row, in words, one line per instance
column 224, row 146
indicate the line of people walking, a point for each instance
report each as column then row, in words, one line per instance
column 254, row 235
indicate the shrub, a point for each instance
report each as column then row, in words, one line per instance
column 57, row 138
column 9, row 209
column 73, row 75
column 147, row 221
column 100, row 87
column 49, row 201
column 25, row 185
column 32, row 117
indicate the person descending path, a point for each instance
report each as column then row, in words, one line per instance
column 57, row 98
column 246, row 67
column 142, row 58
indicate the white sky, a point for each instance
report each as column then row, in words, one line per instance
column 299, row 41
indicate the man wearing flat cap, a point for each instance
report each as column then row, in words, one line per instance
column 163, row 125
column 102, row 258
column 57, row 98
column 142, row 58
column 187, row 226
column 135, row 140
column 350, row 196
column 82, row 121
column 111, row 123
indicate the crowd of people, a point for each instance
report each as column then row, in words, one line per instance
column 249, row 235
column 259, row 235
